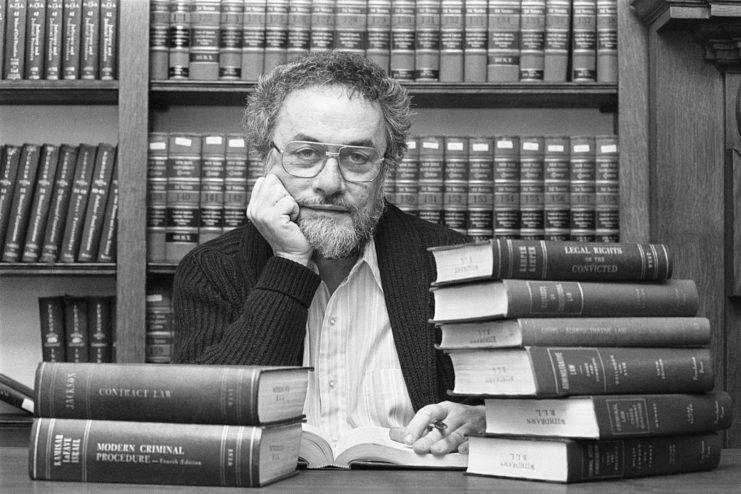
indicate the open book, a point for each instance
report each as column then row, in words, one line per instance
column 369, row 446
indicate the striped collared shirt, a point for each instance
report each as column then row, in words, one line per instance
column 357, row 377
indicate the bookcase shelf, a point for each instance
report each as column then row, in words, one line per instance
column 72, row 92
column 161, row 268
column 56, row 269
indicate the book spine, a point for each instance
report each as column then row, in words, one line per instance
column 159, row 39
column 94, row 212
column 406, row 181
column 15, row 39
column 159, row 331
column 76, row 329
column 276, row 34
column 557, row 33
column 162, row 393
column 506, row 186
column 35, row 39
column 15, row 398
column 532, row 188
column 563, row 371
column 557, row 189
column 17, row 385
column 230, row 40
column 253, row 39
column 476, row 40
column 607, row 189
column 78, row 199
column 607, row 41
column 550, row 298
column 21, row 206
column 183, row 192
column 125, row 452
column 90, row 42
column 179, row 39
column 39, row 212
column 8, row 174
column 455, row 182
column 3, row 18
column 156, row 196
column 54, row 40
column 427, row 41
column 378, row 32
column 72, row 38
column 582, row 189
column 108, row 42
column 59, row 203
column 452, row 32
column 51, row 317
column 211, row 202
column 350, row 26
column 321, row 35
column 431, row 177
column 107, row 246
column 480, row 188
column 403, row 42
column 203, row 62
column 532, row 40
column 299, row 29
column 662, row 414
column 583, row 40
column 242, row 168
column 100, row 324
column 503, row 53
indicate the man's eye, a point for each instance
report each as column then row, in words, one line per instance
column 358, row 157
column 307, row 154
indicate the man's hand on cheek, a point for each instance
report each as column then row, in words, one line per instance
column 274, row 211
column 441, row 428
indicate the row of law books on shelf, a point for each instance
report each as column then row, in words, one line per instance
column 531, row 187
column 422, row 40
column 590, row 358
column 78, row 328
column 59, row 39
column 58, row 203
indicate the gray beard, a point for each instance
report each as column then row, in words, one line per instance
column 331, row 240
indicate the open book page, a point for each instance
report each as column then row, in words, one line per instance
column 369, row 446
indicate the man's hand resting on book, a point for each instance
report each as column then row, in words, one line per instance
column 460, row 420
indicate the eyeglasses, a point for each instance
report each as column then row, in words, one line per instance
column 307, row 159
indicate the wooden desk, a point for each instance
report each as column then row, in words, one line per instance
column 726, row 479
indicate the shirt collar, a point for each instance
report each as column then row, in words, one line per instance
column 368, row 257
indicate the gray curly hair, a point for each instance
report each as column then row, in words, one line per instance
column 359, row 74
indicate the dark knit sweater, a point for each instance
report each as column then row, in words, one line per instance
column 235, row 303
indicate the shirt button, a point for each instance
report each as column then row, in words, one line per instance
column 331, row 384
column 332, row 320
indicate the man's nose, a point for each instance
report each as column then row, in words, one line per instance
column 330, row 179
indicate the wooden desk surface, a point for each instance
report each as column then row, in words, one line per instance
column 726, row 479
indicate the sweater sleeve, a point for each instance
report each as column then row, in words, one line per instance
column 222, row 319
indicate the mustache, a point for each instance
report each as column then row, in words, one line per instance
column 332, row 201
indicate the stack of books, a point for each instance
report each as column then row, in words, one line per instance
column 175, row 424
column 590, row 358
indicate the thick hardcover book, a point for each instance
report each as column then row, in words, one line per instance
column 156, row 195
column 506, row 221
column 549, row 298
column 79, row 194
column 299, row 29
column 109, row 228
column 532, row 188
column 211, row 203
column 20, row 209
column 476, row 41
column 321, row 35
column 230, row 40
column 35, row 39
column 76, row 329
column 557, row 188
column 369, row 445
column 46, row 176
column 59, row 203
column 611, row 416
column 253, row 39
column 179, row 39
column 3, row 16
column 54, row 40
column 204, row 40
column 532, row 40
column 427, row 42
column 379, row 33
column 234, row 395
column 90, row 40
column 570, row 460
column 452, row 32
column 557, row 34
column 236, row 181
column 11, row 158
column 584, row 41
column 159, row 333
column 72, row 38
column 607, row 188
column 92, row 226
column 577, row 331
column 582, row 187
column 350, row 26
column 100, row 328
column 159, row 39
column 15, row 39
column 108, row 40
column 564, row 371
column 183, row 194
column 51, row 317
column 162, row 453
column 14, row 397
column 503, row 53
column 403, row 42
column 276, row 34
column 607, row 41
column 544, row 259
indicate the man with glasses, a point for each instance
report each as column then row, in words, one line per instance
column 326, row 273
